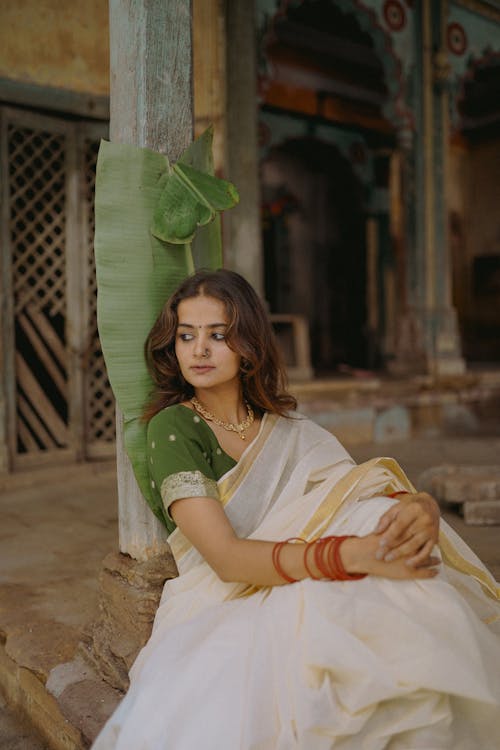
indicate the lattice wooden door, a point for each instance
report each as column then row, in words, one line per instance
column 59, row 402
column 98, row 398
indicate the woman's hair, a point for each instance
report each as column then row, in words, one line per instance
column 249, row 333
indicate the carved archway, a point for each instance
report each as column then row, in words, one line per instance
column 364, row 30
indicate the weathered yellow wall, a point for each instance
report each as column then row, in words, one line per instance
column 60, row 43
column 209, row 71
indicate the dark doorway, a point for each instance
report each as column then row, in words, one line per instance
column 314, row 248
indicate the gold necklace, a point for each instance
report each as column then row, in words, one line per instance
column 230, row 426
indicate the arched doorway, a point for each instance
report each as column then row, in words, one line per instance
column 324, row 132
column 474, row 223
column 314, row 248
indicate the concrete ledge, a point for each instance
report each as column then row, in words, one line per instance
column 361, row 410
column 28, row 695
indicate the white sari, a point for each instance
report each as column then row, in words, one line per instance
column 373, row 664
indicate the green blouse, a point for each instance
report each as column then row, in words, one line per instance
column 184, row 456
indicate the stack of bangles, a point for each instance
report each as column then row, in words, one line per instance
column 326, row 555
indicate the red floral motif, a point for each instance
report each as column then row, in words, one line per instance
column 395, row 15
column 457, row 38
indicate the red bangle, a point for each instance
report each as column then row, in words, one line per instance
column 309, row 546
column 276, row 558
column 343, row 574
column 328, row 560
column 335, row 571
column 319, row 557
column 399, row 492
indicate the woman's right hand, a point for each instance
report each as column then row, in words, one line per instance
column 358, row 556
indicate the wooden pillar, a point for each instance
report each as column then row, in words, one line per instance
column 150, row 106
column 242, row 229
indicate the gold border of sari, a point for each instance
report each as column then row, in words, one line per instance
column 341, row 493
column 231, row 481
column 336, row 498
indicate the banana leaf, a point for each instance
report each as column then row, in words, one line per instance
column 137, row 271
column 189, row 199
column 206, row 246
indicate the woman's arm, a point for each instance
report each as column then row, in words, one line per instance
column 206, row 526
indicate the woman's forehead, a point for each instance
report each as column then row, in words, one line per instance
column 202, row 311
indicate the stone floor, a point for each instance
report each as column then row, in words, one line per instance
column 58, row 525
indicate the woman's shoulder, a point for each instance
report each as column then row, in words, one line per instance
column 304, row 425
column 177, row 416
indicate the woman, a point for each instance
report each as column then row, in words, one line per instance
column 352, row 634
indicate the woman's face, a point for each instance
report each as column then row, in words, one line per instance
column 204, row 357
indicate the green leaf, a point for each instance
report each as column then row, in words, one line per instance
column 136, row 273
column 189, row 199
column 207, row 243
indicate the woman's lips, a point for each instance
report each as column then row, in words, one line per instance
column 200, row 369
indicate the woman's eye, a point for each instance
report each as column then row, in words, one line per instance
column 186, row 336
column 218, row 336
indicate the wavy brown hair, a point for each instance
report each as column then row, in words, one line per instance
column 249, row 333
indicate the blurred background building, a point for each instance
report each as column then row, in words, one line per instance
column 364, row 137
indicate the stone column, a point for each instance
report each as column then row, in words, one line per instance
column 432, row 294
column 242, row 230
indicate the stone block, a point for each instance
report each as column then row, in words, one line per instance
column 130, row 592
column 475, row 488
column 482, row 512
column 459, row 419
column 392, row 424
column 85, row 700
column 427, row 417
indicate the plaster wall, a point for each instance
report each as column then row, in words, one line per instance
column 58, row 43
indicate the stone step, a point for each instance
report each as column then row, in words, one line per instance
column 476, row 489
column 372, row 409
column 15, row 734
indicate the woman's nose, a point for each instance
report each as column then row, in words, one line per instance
column 200, row 347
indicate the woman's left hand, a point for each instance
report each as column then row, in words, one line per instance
column 409, row 529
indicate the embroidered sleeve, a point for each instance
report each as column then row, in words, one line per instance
column 179, row 456
column 187, row 484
